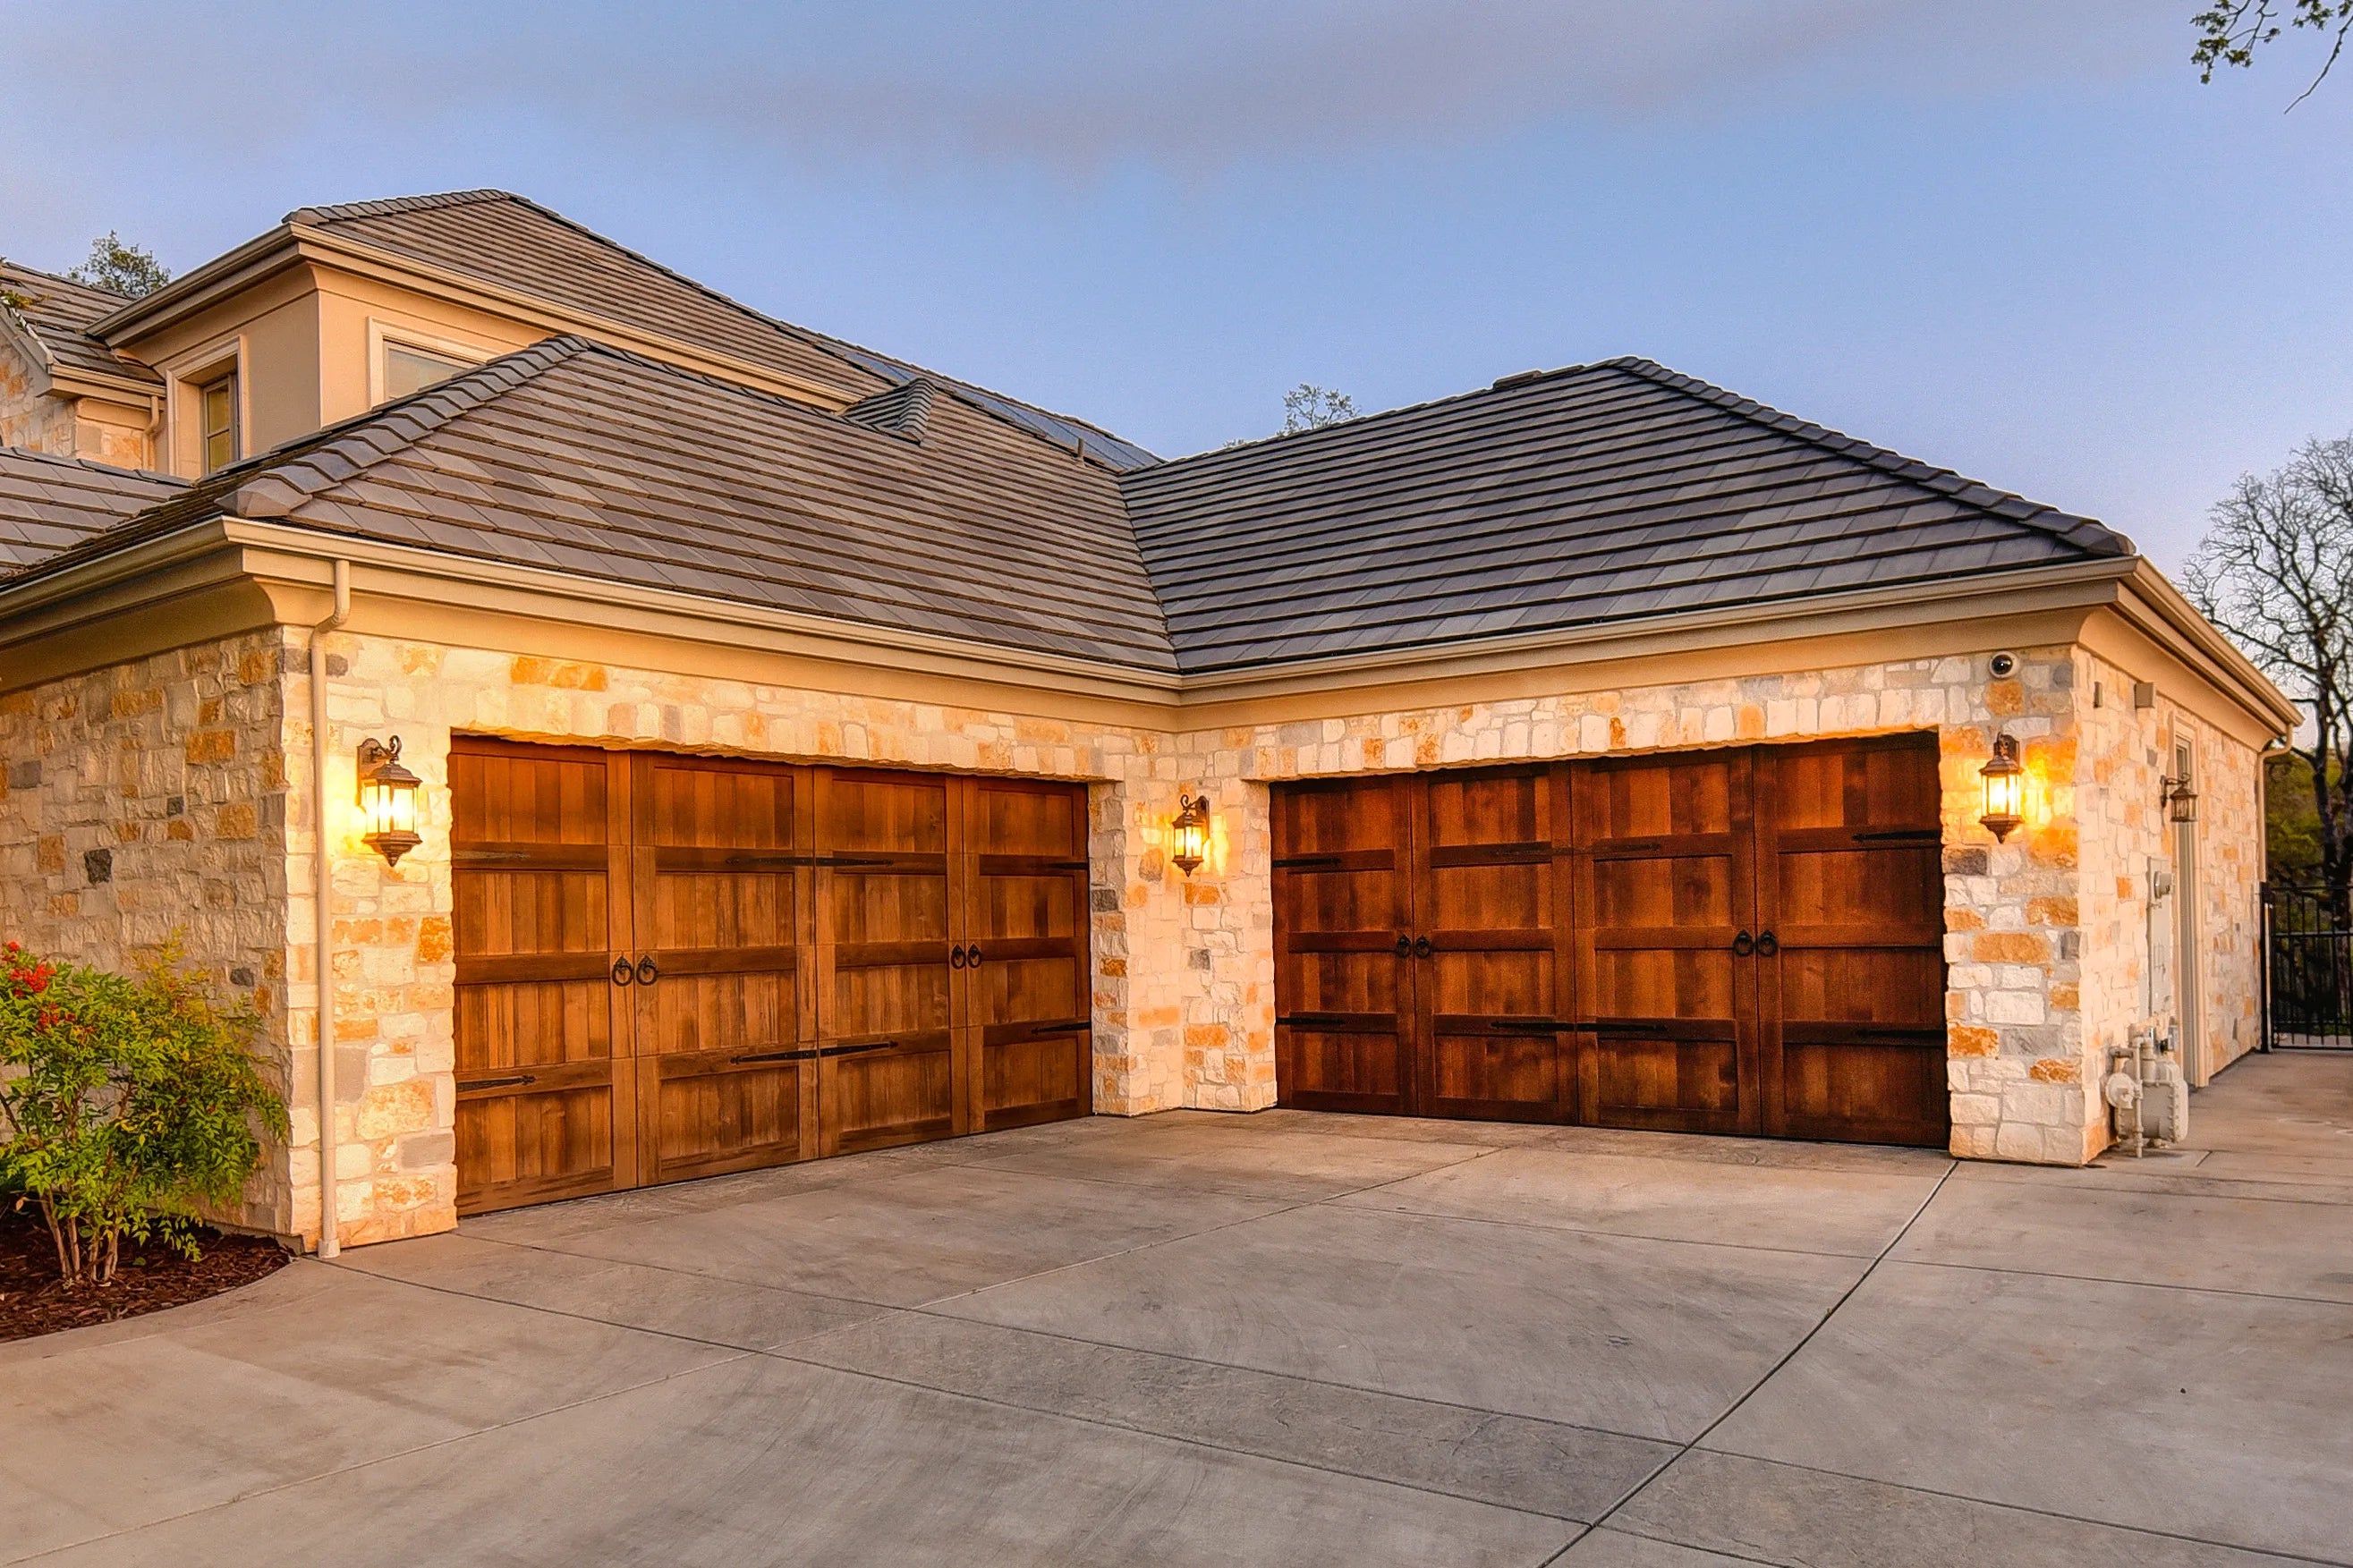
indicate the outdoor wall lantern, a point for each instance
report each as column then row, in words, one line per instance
column 1192, row 828
column 387, row 800
column 2005, row 789
column 2180, row 798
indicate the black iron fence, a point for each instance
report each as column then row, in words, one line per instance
column 2308, row 970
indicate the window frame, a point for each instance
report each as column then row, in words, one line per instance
column 382, row 339
column 227, row 384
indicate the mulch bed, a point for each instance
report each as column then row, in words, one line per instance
column 33, row 1302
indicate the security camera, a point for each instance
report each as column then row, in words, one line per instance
column 2003, row 665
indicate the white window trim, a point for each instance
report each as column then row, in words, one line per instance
column 379, row 335
column 184, row 377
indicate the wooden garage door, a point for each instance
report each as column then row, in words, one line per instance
column 673, row 966
column 1744, row 941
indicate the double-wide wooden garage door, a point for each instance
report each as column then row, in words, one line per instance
column 673, row 966
column 1744, row 941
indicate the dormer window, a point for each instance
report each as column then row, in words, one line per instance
column 216, row 400
column 408, row 369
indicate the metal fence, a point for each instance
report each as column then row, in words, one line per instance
column 2308, row 971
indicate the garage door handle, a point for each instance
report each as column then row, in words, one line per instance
column 956, row 958
column 1742, row 945
column 647, row 972
column 1768, row 944
column 972, row 956
column 1405, row 945
column 511, row 1080
column 622, row 972
column 1421, row 947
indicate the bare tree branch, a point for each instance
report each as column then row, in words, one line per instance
column 2276, row 572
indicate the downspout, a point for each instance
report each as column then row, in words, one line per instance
column 322, row 872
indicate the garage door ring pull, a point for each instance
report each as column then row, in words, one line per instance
column 972, row 956
column 956, row 958
column 1421, row 947
column 1768, row 944
column 622, row 973
column 1742, row 945
column 1405, row 945
column 647, row 972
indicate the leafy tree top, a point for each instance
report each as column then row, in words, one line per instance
column 118, row 267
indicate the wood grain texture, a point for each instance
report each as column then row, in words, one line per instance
column 1744, row 940
column 674, row 966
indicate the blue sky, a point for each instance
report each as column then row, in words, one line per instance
column 2022, row 241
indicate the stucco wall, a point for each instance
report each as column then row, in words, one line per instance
column 2039, row 929
column 147, row 802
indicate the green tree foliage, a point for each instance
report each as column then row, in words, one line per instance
column 120, row 268
column 1311, row 407
column 2231, row 31
column 127, row 1105
column 2276, row 572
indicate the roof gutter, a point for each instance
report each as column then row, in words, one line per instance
column 218, row 548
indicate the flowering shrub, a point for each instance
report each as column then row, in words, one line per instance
column 127, row 1105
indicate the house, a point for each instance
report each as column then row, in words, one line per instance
column 812, row 753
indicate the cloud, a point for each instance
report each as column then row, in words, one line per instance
column 1085, row 88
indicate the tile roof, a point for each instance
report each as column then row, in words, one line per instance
column 49, row 504
column 512, row 242
column 1554, row 501
column 575, row 457
column 1567, row 498
column 58, row 319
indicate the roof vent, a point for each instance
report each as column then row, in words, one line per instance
column 1516, row 378
column 903, row 411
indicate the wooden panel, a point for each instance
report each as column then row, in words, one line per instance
column 1342, row 923
column 887, row 1061
column 1489, row 1039
column 1852, row 989
column 1027, row 988
column 537, row 838
column 1665, row 886
column 722, row 1054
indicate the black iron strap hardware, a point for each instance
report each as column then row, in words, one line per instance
column 1308, row 1020
column 1304, row 862
column 852, row 861
column 750, row 1056
column 1526, row 1025
column 1768, row 944
column 1742, row 945
column 509, row 1081
column 622, row 972
column 485, row 856
column 853, row 1050
column 1045, row 1026
column 647, row 972
column 1900, row 835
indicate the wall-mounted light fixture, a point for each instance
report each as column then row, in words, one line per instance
column 2180, row 796
column 1191, row 825
column 387, row 800
column 2005, row 789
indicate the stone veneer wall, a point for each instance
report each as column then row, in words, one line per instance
column 2128, row 839
column 1184, row 967
column 30, row 417
column 146, row 802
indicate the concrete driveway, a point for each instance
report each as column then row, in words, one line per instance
column 1280, row 1338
